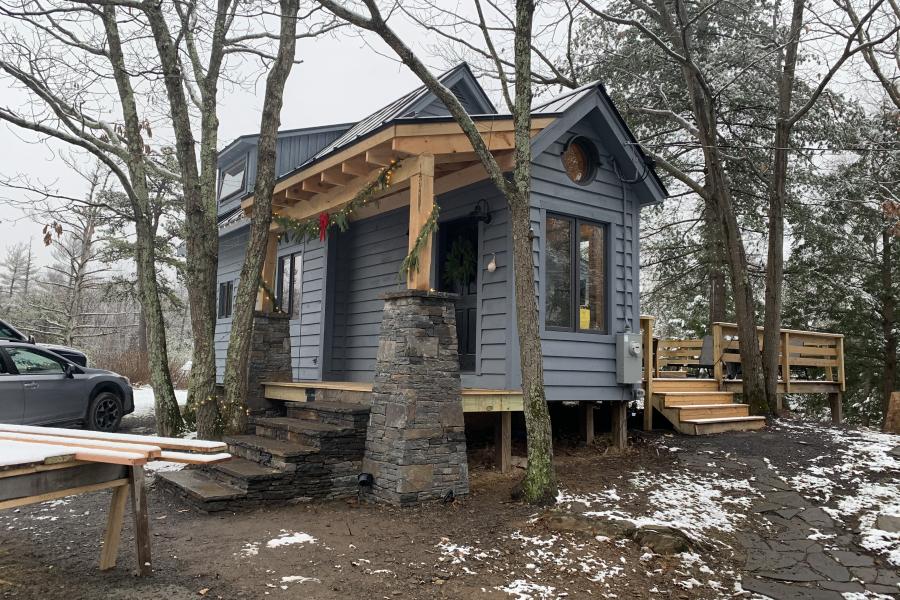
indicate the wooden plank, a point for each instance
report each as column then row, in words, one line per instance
column 46, row 497
column 113, row 533
column 840, row 367
column 194, row 459
column 503, row 442
column 162, row 442
column 649, row 372
column 112, row 457
column 15, row 457
column 147, row 450
column 421, row 205
column 141, row 519
column 74, row 476
column 27, row 470
column 785, row 362
column 491, row 403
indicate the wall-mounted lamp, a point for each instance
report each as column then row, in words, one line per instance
column 492, row 266
column 481, row 212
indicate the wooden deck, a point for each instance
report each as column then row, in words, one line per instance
column 474, row 399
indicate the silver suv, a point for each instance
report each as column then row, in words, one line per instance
column 39, row 387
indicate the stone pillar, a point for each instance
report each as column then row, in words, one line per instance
column 416, row 443
column 270, row 358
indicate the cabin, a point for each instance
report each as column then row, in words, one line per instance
column 365, row 376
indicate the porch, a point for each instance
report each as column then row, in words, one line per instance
column 693, row 382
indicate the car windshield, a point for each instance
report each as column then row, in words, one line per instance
column 8, row 333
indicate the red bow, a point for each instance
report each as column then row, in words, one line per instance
column 323, row 226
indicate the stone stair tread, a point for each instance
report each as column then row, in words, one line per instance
column 241, row 468
column 722, row 420
column 280, row 448
column 292, row 424
column 345, row 407
column 201, row 486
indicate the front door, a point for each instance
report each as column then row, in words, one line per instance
column 457, row 272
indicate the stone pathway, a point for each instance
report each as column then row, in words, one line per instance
column 797, row 551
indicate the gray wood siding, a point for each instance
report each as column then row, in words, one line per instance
column 232, row 248
column 367, row 261
column 306, row 332
column 581, row 366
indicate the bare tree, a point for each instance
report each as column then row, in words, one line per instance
column 515, row 79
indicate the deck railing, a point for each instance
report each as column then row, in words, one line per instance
column 811, row 361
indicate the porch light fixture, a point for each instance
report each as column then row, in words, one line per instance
column 492, row 266
column 481, row 212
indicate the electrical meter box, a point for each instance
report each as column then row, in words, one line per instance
column 629, row 357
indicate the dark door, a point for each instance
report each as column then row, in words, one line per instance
column 50, row 396
column 458, row 273
column 12, row 395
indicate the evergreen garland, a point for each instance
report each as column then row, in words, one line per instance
column 411, row 262
column 276, row 305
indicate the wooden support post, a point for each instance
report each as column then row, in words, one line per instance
column 141, row 518
column 649, row 370
column 718, row 372
column 785, row 364
column 837, row 408
column 263, row 302
column 840, row 364
column 421, row 205
column 503, row 441
column 892, row 418
column 587, row 422
column 113, row 533
column 619, row 425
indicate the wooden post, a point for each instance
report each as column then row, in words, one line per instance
column 649, row 371
column 840, row 364
column 113, row 528
column 141, row 518
column 587, row 422
column 837, row 409
column 421, row 205
column 718, row 372
column 619, row 425
column 503, row 441
column 892, row 418
column 263, row 302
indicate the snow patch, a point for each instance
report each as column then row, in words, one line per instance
column 289, row 538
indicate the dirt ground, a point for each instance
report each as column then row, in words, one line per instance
column 485, row 545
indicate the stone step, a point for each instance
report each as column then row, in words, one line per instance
column 676, row 399
column 306, row 432
column 711, row 411
column 345, row 414
column 245, row 474
column 712, row 426
column 199, row 489
column 267, row 451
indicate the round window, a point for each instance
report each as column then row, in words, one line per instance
column 578, row 160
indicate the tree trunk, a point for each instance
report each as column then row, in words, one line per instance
column 888, row 324
column 717, row 292
column 200, row 223
column 235, row 411
column 777, row 202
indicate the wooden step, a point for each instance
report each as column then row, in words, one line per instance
column 713, row 426
column 685, row 385
column 671, row 374
column 674, row 399
column 711, row 411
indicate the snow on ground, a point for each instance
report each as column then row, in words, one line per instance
column 144, row 400
column 289, row 538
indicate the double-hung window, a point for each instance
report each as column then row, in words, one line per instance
column 290, row 283
column 576, row 266
column 226, row 299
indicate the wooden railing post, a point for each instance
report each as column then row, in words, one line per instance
column 785, row 363
column 718, row 373
column 649, row 370
column 840, row 363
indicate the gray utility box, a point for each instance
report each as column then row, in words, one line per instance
column 628, row 357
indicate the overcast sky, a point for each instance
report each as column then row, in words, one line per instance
column 340, row 80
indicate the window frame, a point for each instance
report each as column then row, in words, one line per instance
column 575, row 222
column 12, row 363
column 291, row 257
column 226, row 296
column 591, row 156
column 240, row 161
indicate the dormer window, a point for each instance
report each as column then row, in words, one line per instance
column 231, row 181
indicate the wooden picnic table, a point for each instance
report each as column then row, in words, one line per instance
column 38, row 464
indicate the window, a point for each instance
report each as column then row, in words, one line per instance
column 29, row 362
column 579, row 158
column 232, row 180
column 576, row 275
column 290, row 284
column 226, row 298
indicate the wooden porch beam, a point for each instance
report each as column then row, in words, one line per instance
column 315, row 186
column 295, row 194
column 355, row 166
column 379, row 157
column 421, row 205
column 335, row 176
column 448, row 144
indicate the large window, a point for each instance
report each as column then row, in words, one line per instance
column 226, row 299
column 576, row 275
column 290, row 283
column 232, row 179
column 30, row 362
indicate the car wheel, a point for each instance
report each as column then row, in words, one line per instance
column 105, row 412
